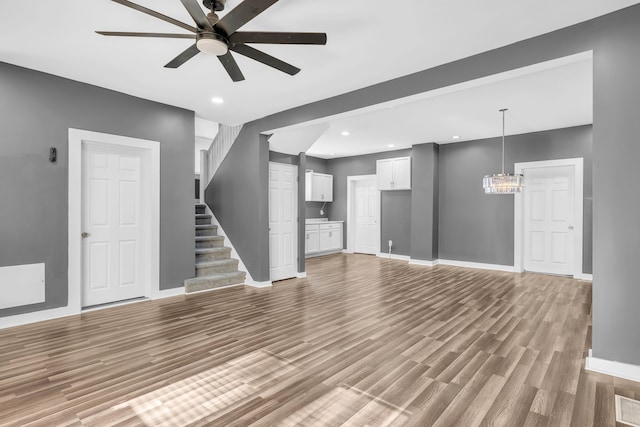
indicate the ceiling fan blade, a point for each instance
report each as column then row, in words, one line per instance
column 197, row 14
column 266, row 59
column 156, row 14
column 243, row 13
column 230, row 64
column 278, row 38
column 189, row 53
column 159, row 35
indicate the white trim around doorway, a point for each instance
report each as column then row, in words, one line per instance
column 151, row 175
column 351, row 235
column 518, row 250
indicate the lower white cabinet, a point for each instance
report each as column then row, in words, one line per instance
column 323, row 238
column 312, row 242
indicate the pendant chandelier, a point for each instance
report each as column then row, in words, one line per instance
column 503, row 183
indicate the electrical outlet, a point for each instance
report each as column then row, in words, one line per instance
column 390, row 243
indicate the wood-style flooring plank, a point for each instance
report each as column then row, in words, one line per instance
column 360, row 341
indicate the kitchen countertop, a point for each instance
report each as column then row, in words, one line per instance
column 312, row 221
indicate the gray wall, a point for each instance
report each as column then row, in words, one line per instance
column 479, row 228
column 238, row 197
column 614, row 41
column 616, row 208
column 395, row 206
column 36, row 112
column 424, row 202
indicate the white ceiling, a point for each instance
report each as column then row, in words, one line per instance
column 369, row 41
column 550, row 95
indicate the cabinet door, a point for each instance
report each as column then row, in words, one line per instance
column 402, row 173
column 311, row 242
column 325, row 240
column 384, row 172
column 316, row 187
column 327, row 188
column 335, row 237
column 308, row 182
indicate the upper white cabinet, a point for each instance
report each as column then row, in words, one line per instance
column 394, row 174
column 318, row 187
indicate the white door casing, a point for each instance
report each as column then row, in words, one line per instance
column 283, row 221
column 549, row 218
column 112, row 250
column 150, row 220
column 363, row 214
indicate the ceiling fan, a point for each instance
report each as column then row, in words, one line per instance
column 220, row 36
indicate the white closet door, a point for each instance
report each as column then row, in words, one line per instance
column 548, row 215
column 283, row 220
column 367, row 206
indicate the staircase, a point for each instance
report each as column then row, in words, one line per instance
column 214, row 266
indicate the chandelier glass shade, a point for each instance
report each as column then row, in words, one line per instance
column 503, row 183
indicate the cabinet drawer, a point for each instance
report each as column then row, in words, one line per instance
column 308, row 228
column 330, row 226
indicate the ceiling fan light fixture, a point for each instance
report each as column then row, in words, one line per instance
column 212, row 43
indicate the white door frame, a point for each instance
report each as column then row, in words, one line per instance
column 518, row 248
column 294, row 204
column 150, row 174
column 351, row 220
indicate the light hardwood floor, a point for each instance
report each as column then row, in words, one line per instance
column 361, row 341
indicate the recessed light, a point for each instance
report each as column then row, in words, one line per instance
column 455, row 137
column 332, row 154
column 217, row 100
column 345, row 133
column 390, row 145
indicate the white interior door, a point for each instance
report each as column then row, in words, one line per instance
column 367, row 212
column 113, row 238
column 283, row 220
column 548, row 219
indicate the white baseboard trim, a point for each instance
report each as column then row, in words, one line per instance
column 615, row 369
column 255, row 284
column 214, row 289
column 36, row 316
column 586, row 277
column 423, row 262
column 57, row 313
column 394, row 256
column 167, row 293
column 344, row 251
column 301, row 275
column 478, row 265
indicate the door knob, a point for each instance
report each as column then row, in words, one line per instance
column 571, row 227
column 85, row 235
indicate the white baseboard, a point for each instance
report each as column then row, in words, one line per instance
column 36, row 316
column 215, row 289
column 394, row 256
column 478, row 265
column 167, row 293
column 301, row 274
column 255, row 284
column 585, row 276
column 423, row 262
column 615, row 369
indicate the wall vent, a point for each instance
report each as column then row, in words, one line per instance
column 21, row 285
column 627, row 411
